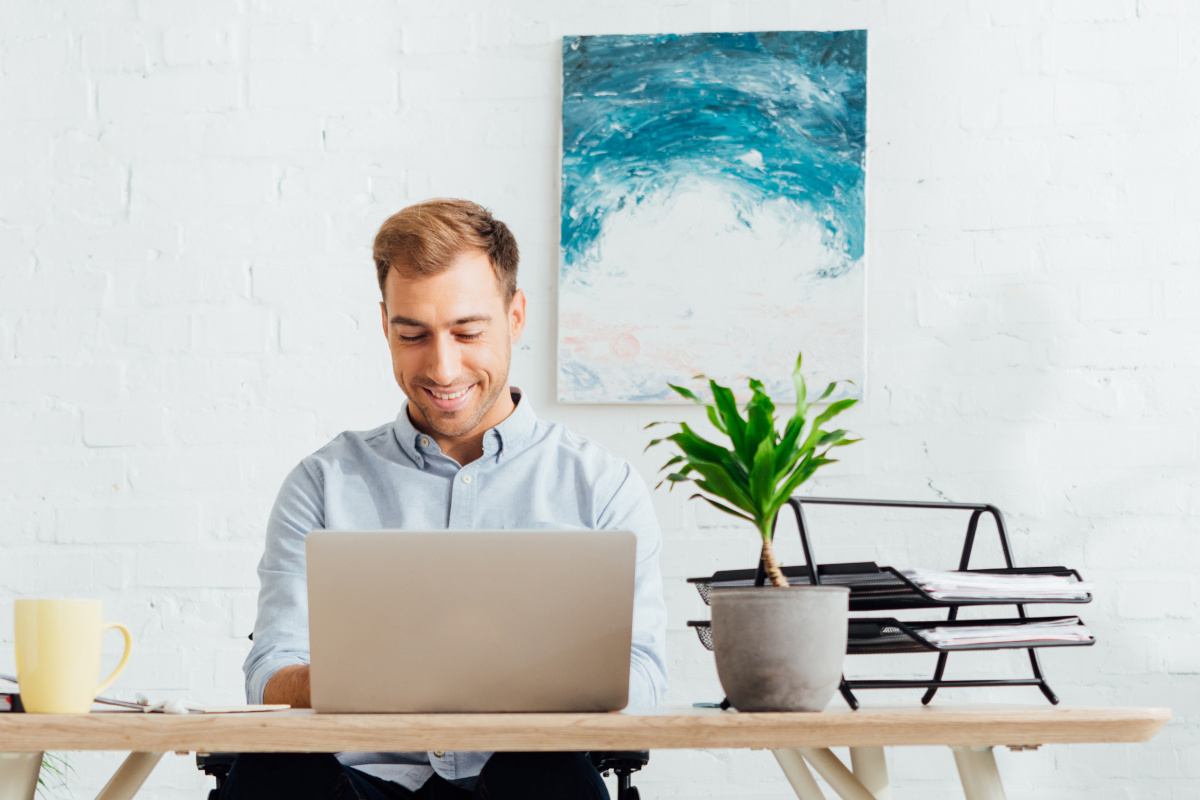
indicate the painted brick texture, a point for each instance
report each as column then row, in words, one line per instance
column 188, row 306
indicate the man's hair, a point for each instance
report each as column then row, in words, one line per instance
column 423, row 239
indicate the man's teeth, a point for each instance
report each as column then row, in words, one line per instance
column 441, row 396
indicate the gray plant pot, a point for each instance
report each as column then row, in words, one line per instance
column 780, row 649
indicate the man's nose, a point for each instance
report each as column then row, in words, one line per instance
column 446, row 361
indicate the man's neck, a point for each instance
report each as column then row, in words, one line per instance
column 469, row 447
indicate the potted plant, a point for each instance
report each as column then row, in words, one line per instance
column 779, row 647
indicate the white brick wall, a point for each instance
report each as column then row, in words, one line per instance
column 187, row 307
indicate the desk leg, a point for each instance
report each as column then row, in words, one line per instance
column 835, row 773
column 977, row 768
column 798, row 775
column 19, row 775
column 130, row 776
column 870, row 767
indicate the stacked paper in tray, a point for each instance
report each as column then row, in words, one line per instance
column 997, row 586
column 1068, row 629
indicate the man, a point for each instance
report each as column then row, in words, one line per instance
column 465, row 452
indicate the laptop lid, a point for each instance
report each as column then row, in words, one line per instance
column 422, row 621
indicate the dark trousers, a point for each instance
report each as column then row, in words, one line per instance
column 319, row 776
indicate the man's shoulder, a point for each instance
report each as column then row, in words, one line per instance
column 574, row 447
column 351, row 446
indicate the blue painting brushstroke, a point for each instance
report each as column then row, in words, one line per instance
column 643, row 115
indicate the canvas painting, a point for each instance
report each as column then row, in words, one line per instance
column 713, row 212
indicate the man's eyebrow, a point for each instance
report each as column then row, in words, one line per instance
column 416, row 323
column 399, row 320
column 473, row 318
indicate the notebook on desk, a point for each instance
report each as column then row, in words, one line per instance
column 464, row 621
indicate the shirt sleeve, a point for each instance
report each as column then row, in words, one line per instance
column 281, row 629
column 630, row 509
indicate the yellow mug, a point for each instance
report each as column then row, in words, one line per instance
column 58, row 654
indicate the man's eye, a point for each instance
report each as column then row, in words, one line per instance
column 410, row 339
column 470, row 337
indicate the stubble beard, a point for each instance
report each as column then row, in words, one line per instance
column 452, row 425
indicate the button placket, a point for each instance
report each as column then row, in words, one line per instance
column 462, row 501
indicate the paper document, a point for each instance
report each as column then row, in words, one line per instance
column 996, row 586
column 1070, row 629
column 237, row 709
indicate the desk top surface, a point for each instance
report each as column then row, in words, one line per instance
column 299, row 730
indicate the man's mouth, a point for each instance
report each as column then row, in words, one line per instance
column 449, row 401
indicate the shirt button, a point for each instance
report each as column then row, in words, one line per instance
column 424, row 442
column 439, row 753
column 466, row 478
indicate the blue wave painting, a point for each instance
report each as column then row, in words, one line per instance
column 713, row 214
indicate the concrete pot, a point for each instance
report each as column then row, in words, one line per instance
column 780, row 649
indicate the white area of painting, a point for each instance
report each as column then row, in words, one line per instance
column 683, row 286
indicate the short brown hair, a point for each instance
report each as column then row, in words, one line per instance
column 424, row 238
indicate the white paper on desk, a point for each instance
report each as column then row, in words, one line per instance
column 236, row 709
column 990, row 586
column 1070, row 629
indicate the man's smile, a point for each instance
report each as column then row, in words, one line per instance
column 449, row 401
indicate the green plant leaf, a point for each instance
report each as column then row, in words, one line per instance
column 717, row 481
column 760, row 424
column 721, row 506
column 762, row 475
column 829, row 413
column 801, row 390
column 735, row 426
column 671, row 462
column 696, row 447
column 786, row 451
column 802, row 473
column 827, row 438
column 716, row 421
column 688, row 393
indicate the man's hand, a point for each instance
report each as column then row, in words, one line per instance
column 289, row 685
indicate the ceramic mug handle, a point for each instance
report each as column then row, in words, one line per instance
column 124, row 658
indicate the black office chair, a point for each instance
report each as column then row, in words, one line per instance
column 623, row 762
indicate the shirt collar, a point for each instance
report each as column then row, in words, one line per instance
column 506, row 437
column 514, row 431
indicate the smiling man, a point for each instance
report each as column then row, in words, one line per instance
column 466, row 451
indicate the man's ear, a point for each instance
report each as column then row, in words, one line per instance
column 516, row 315
column 383, row 314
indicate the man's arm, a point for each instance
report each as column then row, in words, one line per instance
column 289, row 685
column 629, row 508
column 281, row 630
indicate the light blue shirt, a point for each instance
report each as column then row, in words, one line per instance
column 533, row 475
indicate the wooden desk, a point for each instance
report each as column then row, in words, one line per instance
column 797, row 739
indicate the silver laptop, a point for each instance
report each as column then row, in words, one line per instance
column 404, row 621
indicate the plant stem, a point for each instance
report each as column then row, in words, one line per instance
column 772, row 563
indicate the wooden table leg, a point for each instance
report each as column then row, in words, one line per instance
column 977, row 768
column 870, row 767
column 130, row 776
column 19, row 775
column 836, row 774
column 798, row 775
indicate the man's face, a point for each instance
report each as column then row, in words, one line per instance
column 451, row 340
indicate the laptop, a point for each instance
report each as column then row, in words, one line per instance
column 462, row 621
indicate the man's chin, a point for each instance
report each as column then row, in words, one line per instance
column 451, row 424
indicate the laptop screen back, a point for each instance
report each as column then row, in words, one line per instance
column 417, row 621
